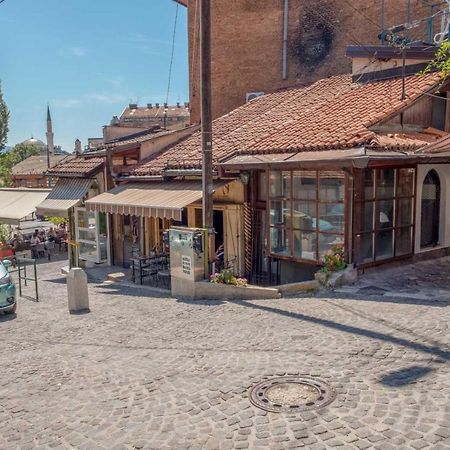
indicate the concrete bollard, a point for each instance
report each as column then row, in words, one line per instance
column 77, row 291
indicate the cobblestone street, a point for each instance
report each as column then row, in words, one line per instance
column 158, row 373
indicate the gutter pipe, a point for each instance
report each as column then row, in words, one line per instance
column 285, row 38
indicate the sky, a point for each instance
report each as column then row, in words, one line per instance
column 88, row 59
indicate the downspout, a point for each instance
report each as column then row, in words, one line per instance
column 285, row 38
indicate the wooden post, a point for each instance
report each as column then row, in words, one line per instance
column 206, row 124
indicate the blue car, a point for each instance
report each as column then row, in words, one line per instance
column 7, row 290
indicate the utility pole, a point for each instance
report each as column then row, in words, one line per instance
column 206, row 124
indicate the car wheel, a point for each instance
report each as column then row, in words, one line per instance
column 12, row 310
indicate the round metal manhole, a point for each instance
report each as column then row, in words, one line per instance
column 292, row 394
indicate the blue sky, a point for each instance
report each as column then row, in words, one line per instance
column 88, row 59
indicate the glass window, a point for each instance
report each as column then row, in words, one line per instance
column 364, row 184
column 305, row 244
column 304, row 185
column 385, row 184
column 405, row 183
column 304, row 215
column 326, row 241
column 364, row 216
column 405, row 211
column 279, row 184
column 385, row 214
column 364, row 248
column 384, row 244
column 331, row 217
column 331, row 186
column 88, row 251
column 279, row 239
column 279, row 212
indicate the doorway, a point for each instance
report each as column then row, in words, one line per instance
column 430, row 212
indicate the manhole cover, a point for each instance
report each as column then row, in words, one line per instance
column 292, row 394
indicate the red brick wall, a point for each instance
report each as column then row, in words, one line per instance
column 247, row 43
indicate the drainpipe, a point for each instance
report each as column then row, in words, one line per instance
column 285, row 38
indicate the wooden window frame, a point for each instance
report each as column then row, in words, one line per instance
column 290, row 229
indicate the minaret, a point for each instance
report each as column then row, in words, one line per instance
column 50, row 146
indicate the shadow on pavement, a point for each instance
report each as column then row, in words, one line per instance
column 435, row 350
column 7, row 317
column 405, row 376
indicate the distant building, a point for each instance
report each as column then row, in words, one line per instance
column 31, row 172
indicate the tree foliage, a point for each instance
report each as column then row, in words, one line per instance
column 441, row 61
column 8, row 160
column 4, row 117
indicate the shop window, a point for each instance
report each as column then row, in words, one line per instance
column 383, row 214
column 306, row 213
column 90, row 231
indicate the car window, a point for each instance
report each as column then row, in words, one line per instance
column 3, row 271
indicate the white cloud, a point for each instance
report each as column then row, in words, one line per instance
column 106, row 98
column 66, row 103
column 79, row 52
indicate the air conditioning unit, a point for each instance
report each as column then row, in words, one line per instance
column 249, row 96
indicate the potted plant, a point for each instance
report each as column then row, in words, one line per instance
column 333, row 272
column 227, row 276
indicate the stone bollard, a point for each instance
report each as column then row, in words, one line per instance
column 77, row 291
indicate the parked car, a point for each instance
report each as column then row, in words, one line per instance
column 7, row 289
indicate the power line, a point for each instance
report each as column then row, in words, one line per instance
column 173, row 50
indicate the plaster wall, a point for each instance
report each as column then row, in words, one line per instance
column 443, row 170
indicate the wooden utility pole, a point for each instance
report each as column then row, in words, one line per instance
column 207, row 169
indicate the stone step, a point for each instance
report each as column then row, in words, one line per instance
column 115, row 276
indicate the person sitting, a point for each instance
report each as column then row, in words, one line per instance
column 51, row 235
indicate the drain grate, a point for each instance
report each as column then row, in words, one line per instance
column 292, row 394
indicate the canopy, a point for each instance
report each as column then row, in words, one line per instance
column 18, row 203
column 164, row 199
column 66, row 194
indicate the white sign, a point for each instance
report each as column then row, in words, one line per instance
column 186, row 264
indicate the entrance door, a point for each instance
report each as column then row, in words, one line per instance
column 431, row 198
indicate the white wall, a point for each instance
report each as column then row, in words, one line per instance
column 443, row 170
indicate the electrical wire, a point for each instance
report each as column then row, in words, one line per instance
column 173, row 51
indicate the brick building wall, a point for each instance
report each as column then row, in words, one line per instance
column 247, row 43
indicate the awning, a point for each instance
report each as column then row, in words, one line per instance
column 153, row 199
column 66, row 194
column 16, row 204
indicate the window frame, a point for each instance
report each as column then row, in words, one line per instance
column 290, row 227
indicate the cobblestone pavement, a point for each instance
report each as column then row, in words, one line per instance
column 426, row 280
column 143, row 372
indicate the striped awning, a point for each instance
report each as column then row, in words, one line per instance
column 67, row 193
column 164, row 199
column 18, row 203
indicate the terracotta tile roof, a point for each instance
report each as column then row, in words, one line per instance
column 333, row 113
column 36, row 165
column 81, row 166
column 134, row 138
column 150, row 113
column 440, row 146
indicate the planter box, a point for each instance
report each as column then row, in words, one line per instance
column 6, row 253
column 216, row 291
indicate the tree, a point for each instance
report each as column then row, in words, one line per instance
column 4, row 117
column 8, row 160
column 441, row 61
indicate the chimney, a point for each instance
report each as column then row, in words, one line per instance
column 78, row 147
column 165, row 105
column 186, row 104
column 157, row 105
column 178, row 104
column 149, row 105
column 370, row 63
column 133, row 105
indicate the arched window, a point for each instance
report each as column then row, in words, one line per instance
column 430, row 214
